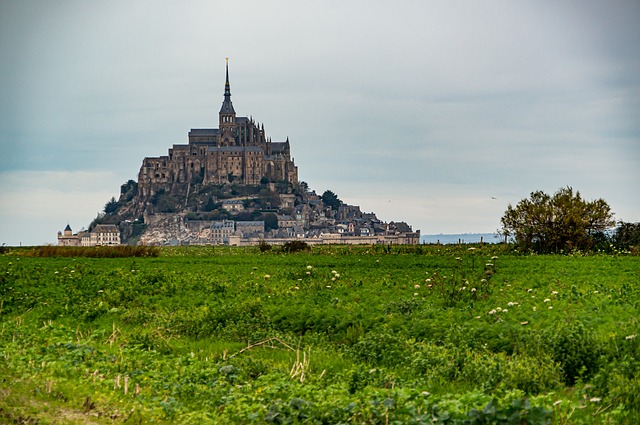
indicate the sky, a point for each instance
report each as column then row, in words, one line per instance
column 437, row 113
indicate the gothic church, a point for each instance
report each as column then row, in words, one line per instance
column 237, row 151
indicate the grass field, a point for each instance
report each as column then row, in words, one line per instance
column 451, row 334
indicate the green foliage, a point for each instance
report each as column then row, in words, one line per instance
column 117, row 251
column 576, row 350
column 337, row 335
column 270, row 221
column 564, row 221
column 164, row 202
column 111, row 207
column 264, row 246
column 211, row 205
column 627, row 236
column 128, row 191
column 330, row 199
column 296, row 246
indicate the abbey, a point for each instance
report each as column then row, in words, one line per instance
column 237, row 151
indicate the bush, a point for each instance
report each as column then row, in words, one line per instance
column 296, row 246
column 264, row 246
column 575, row 348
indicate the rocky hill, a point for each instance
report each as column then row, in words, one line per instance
column 276, row 210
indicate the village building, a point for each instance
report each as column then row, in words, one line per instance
column 221, row 231
column 250, row 229
column 232, row 205
column 100, row 235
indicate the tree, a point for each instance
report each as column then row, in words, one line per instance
column 111, row 206
column 270, row 221
column 564, row 221
column 627, row 236
column 331, row 199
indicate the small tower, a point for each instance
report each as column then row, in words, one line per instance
column 227, row 113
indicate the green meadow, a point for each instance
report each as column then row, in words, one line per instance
column 340, row 335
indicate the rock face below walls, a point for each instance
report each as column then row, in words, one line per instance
column 171, row 229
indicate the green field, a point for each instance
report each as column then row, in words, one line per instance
column 360, row 335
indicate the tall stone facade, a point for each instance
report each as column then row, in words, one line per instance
column 238, row 151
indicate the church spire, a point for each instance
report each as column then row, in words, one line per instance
column 227, row 114
column 227, row 87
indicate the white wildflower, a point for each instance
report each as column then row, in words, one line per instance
column 595, row 399
column 630, row 337
column 473, row 289
column 416, row 286
column 308, row 273
column 266, row 276
column 529, row 290
column 492, row 312
column 546, row 300
column 554, row 292
column 415, row 294
column 309, row 267
column 550, row 307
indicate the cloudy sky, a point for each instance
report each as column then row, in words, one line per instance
column 438, row 113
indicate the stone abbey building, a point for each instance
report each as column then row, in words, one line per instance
column 237, row 151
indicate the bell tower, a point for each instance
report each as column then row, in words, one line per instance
column 227, row 114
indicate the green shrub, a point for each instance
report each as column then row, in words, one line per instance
column 576, row 350
column 296, row 246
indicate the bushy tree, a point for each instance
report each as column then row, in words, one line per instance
column 331, row 199
column 111, row 206
column 627, row 236
column 270, row 221
column 564, row 221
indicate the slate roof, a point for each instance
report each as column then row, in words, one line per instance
column 204, row 132
column 227, row 107
column 234, row 149
column 278, row 147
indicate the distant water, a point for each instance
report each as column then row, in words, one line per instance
column 460, row 238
